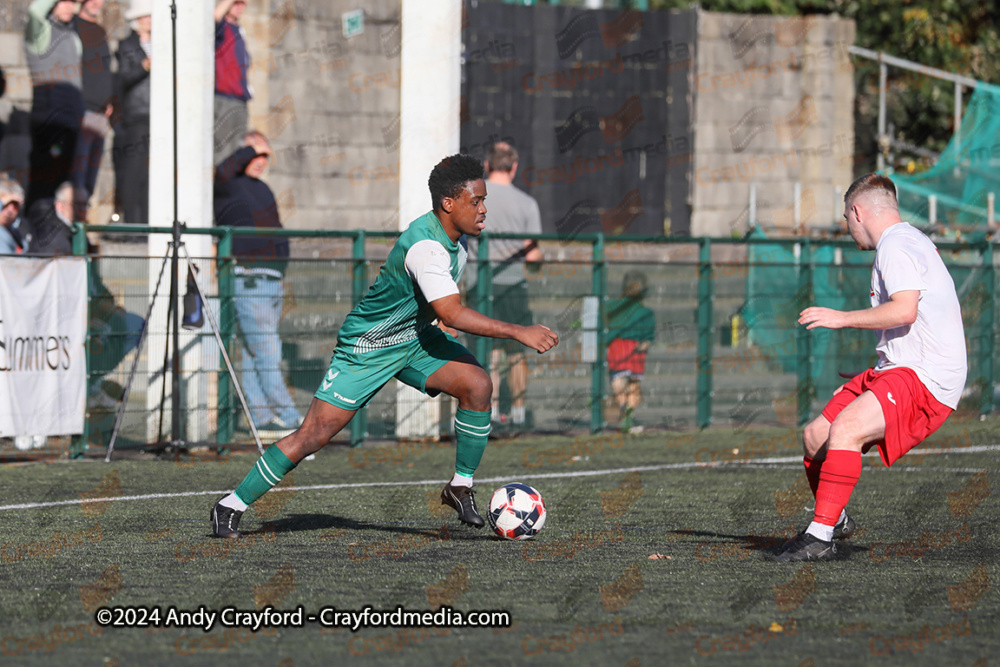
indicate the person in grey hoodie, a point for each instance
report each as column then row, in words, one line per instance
column 54, row 55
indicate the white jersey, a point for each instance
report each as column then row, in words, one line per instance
column 934, row 345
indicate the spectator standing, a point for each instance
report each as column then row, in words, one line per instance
column 54, row 51
column 133, row 75
column 98, row 94
column 511, row 211
column 243, row 200
column 232, row 88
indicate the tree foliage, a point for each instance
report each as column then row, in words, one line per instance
column 959, row 36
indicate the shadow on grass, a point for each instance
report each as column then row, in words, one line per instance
column 769, row 543
column 308, row 522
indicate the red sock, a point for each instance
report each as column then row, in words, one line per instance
column 812, row 472
column 837, row 479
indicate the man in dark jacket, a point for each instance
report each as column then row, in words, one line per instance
column 51, row 223
column 134, row 64
column 243, row 200
column 96, row 77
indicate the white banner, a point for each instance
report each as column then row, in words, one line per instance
column 43, row 328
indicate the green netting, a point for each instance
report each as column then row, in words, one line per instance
column 965, row 173
column 782, row 281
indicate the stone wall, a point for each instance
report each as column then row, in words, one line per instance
column 773, row 103
column 774, row 106
column 331, row 107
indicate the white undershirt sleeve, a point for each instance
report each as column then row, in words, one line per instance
column 428, row 263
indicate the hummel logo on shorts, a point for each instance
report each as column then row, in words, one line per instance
column 328, row 380
column 352, row 401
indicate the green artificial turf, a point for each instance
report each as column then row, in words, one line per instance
column 669, row 564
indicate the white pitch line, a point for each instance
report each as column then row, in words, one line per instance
column 527, row 476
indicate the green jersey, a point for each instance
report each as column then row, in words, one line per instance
column 627, row 318
column 423, row 266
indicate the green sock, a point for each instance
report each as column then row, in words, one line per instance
column 267, row 472
column 472, row 430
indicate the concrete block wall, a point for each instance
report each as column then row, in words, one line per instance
column 774, row 105
column 330, row 105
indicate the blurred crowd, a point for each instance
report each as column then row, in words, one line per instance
column 85, row 93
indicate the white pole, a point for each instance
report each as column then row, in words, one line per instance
column 797, row 206
column 430, row 92
column 932, row 209
column 195, row 88
column 883, row 75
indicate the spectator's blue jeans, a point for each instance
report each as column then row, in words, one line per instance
column 259, row 300
column 110, row 340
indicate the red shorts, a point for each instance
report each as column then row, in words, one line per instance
column 911, row 412
column 623, row 358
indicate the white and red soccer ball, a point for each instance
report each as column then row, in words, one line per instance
column 517, row 512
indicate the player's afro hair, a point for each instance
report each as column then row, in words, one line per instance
column 450, row 175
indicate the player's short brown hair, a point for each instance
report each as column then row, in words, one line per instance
column 501, row 156
column 871, row 183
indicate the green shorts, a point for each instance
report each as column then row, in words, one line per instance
column 354, row 378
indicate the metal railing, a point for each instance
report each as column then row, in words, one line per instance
column 708, row 364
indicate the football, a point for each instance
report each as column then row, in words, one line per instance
column 517, row 512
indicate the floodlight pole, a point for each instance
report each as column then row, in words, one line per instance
column 173, row 324
column 175, row 364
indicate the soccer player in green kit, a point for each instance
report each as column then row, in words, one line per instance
column 393, row 332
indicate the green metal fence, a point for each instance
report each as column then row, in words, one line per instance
column 727, row 350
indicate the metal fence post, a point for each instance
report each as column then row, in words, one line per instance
column 484, row 299
column 227, row 315
column 359, row 279
column 803, row 338
column 599, row 288
column 883, row 143
column 988, row 361
column 79, row 442
column 705, row 333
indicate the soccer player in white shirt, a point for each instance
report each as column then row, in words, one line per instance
column 919, row 376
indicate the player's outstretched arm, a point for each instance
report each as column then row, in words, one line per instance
column 900, row 310
column 453, row 314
